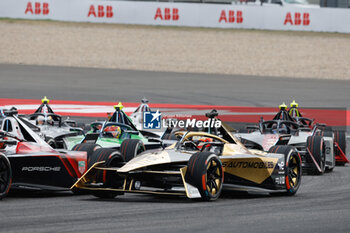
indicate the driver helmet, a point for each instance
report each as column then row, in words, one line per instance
column 40, row 120
column 274, row 128
column 114, row 130
column 283, row 128
column 49, row 120
column 202, row 141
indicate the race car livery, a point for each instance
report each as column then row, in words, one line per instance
column 199, row 165
column 28, row 162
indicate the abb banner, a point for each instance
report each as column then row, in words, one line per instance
column 181, row 14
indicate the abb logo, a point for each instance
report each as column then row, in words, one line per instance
column 38, row 8
column 168, row 14
column 299, row 19
column 230, row 16
column 101, row 11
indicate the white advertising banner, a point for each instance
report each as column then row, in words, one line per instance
column 182, row 14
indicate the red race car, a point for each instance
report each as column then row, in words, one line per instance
column 28, row 162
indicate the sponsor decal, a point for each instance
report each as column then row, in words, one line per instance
column 100, row 11
column 38, row 9
column 167, row 14
column 81, row 166
column 235, row 164
column 231, row 16
column 281, row 166
column 299, row 19
column 280, row 180
column 191, row 123
column 152, row 120
column 41, row 169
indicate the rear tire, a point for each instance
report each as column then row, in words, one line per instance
column 130, row 148
column 5, row 175
column 326, row 132
column 102, row 154
column 293, row 169
column 89, row 148
column 110, row 179
column 340, row 139
column 316, row 146
column 205, row 172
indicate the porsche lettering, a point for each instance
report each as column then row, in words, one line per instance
column 41, row 169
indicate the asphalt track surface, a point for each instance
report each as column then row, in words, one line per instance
column 321, row 205
column 63, row 83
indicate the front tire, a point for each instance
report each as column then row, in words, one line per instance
column 316, row 146
column 205, row 172
column 5, row 175
column 340, row 139
column 130, row 148
column 293, row 169
column 90, row 149
column 110, row 179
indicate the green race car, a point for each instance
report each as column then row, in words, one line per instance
column 117, row 133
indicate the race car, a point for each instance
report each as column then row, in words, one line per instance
column 307, row 124
column 112, row 134
column 200, row 165
column 28, row 162
column 137, row 115
column 52, row 126
column 316, row 145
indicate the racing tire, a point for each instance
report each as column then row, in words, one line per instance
column 292, row 166
column 103, row 154
column 5, row 176
column 206, row 173
column 316, row 147
column 130, row 148
column 109, row 178
column 340, row 139
column 89, row 148
column 326, row 132
column 51, row 142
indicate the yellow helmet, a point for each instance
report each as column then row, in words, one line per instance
column 115, row 131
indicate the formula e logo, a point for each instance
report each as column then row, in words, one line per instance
column 152, row 120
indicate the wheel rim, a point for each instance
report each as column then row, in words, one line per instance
column 293, row 170
column 214, row 177
column 4, row 176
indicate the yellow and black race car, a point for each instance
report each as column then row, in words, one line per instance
column 200, row 165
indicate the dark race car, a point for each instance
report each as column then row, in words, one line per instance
column 307, row 124
column 318, row 144
column 28, row 162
